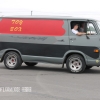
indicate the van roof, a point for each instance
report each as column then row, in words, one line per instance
column 48, row 17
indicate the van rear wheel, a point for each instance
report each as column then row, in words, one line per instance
column 12, row 60
column 30, row 64
column 75, row 63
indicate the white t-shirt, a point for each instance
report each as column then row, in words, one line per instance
column 75, row 31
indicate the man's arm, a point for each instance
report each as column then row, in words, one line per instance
column 80, row 33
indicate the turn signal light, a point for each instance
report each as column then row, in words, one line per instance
column 96, row 50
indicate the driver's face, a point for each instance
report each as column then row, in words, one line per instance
column 76, row 27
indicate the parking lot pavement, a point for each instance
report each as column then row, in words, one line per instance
column 49, row 82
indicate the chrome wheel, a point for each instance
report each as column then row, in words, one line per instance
column 11, row 60
column 75, row 64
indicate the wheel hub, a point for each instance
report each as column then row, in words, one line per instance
column 11, row 60
column 75, row 64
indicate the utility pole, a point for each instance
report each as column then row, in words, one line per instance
column 31, row 13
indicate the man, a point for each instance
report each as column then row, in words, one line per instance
column 75, row 31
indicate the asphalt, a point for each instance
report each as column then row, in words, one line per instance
column 49, row 82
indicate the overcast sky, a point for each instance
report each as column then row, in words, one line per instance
column 84, row 8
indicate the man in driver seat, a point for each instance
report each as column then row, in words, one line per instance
column 75, row 30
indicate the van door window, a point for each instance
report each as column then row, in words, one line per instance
column 91, row 29
column 81, row 26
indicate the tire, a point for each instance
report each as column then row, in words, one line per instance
column 30, row 64
column 88, row 67
column 75, row 63
column 12, row 60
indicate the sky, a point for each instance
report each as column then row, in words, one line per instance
column 79, row 8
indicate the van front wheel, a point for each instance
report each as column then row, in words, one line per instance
column 75, row 63
column 12, row 60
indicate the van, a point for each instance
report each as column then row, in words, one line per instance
column 33, row 39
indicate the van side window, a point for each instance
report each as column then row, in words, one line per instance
column 82, row 26
column 91, row 29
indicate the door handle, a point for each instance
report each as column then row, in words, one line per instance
column 61, row 40
column 72, row 38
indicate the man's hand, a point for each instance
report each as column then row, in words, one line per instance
column 88, row 33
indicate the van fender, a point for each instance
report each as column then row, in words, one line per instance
column 73, row 52
column 3, row 52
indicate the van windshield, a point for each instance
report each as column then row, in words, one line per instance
column 98, row 22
